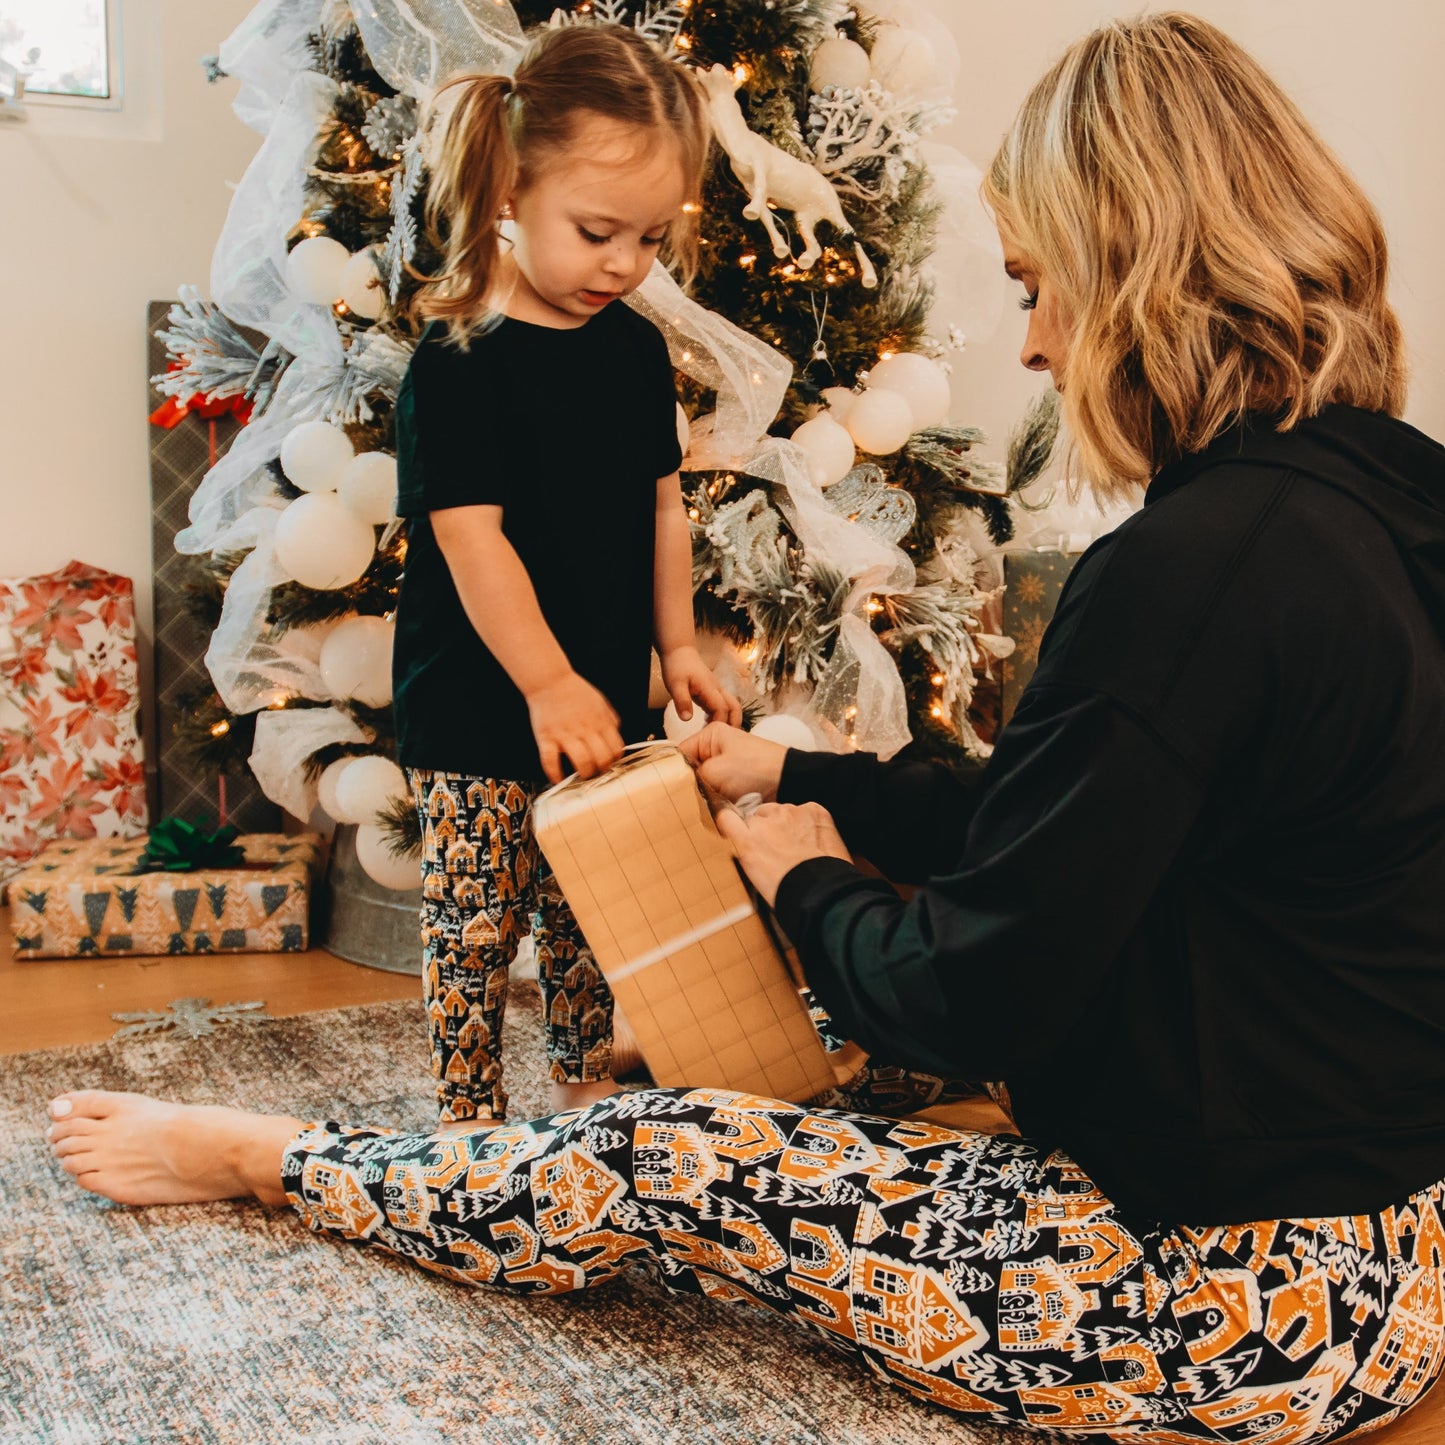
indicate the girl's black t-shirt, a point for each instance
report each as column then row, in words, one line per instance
column 567, row 430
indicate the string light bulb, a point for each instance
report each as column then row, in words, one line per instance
column 939, row 679
column 741, row 73
column 220, row 729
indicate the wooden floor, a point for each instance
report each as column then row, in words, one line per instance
column 48, row 1003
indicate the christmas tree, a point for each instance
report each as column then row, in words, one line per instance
column 838, row 515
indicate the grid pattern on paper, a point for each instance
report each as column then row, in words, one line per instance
column 642, row 864
column 179, row 459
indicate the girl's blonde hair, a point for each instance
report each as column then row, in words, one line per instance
column 500, row 132
column 1209, row 254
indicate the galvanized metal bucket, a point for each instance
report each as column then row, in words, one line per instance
column 363, row 922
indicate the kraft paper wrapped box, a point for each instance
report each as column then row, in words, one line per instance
column 675, row 931
column 82, row 900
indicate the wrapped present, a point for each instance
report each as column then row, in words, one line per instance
column 85, row 899
column 70, row 752
column 1032, row 583
column 675, row 931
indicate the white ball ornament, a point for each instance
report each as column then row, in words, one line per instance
column 828, row 448
column 880, row 421
column 314, row 455
column 839, row 401
column 381, row 865
column 841, row 62
column 675, row 729
column 356, row 660
column 903, row 62
column 920, row 381
column 326, row 789
column 367, row 487
column 322, row 545
column 359, row 285
column 367, row 786
column 784, row 728
column 313, row 269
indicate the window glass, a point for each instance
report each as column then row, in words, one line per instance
column 61, row 46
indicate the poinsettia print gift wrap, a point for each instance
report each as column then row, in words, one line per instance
column 82, row 900
column 70, row 751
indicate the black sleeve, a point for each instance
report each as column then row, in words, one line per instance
column 1085, row 811
column 450, row 449
column 909, row 819
column 660, row 406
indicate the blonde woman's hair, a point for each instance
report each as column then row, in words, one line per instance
column 498, row 133
column 1209, row 254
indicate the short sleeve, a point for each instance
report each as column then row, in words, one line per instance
column 446, row 431
column 663, row 444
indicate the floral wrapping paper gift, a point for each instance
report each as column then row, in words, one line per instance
column 70, row 751
column 84, row 900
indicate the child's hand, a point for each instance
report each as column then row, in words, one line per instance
column 571, row 717
column 688, row 679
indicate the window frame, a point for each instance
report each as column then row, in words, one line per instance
column 111, row 11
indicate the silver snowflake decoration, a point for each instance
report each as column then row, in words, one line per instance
column 401, row 242
column 658, row 23
column 389, row 124
column 188, row 1018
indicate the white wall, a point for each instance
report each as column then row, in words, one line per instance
column 99, row 215
column 1367, row 75
column 94, row 226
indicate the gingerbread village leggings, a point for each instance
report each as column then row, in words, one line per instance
column 485, row 887
column 978, row 1271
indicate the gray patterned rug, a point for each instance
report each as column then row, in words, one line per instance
column 228, row 1324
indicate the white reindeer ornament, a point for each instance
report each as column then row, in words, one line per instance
column 769, row 174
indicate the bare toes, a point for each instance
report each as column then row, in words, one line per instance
column 85, row 1104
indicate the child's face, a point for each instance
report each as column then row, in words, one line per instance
column 588, row 227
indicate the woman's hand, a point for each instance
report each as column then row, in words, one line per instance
column 777, row 838
column 571, row 717
column 734, row 763
column 689, row 679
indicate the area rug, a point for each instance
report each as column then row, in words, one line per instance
column 230, row 1324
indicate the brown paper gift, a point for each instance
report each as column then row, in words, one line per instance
column 675, row 932
column 81, row 900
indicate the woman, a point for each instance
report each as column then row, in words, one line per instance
column 1191, row 913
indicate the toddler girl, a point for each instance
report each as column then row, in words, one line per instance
column 547, row 545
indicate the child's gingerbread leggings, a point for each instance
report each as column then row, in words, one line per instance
column 984, row 1273
column 485, row 887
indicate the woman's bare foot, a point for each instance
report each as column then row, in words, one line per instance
column 137, row 1150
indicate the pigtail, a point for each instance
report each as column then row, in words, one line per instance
column 476, row 168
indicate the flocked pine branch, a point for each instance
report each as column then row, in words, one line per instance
column 1032, row 444
column 216, row 359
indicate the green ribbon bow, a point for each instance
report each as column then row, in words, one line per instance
column 175, row 846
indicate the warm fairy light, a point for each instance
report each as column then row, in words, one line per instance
column 851, row 713
column 741, row 73
column 691, row 208
column 684, row 42
column 220, row 729
column 939, row 679
column 936, row 710
column 694, row 514
column 874, row 606
column 885, row 355
column 750, row 653
column 687, row 356
column 747, row 259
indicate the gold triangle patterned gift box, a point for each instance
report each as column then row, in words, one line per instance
column 676, row 933
column 81, row 899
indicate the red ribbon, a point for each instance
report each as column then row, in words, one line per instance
column 173, row 410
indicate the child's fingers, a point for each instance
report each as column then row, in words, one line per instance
column 682, row 697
